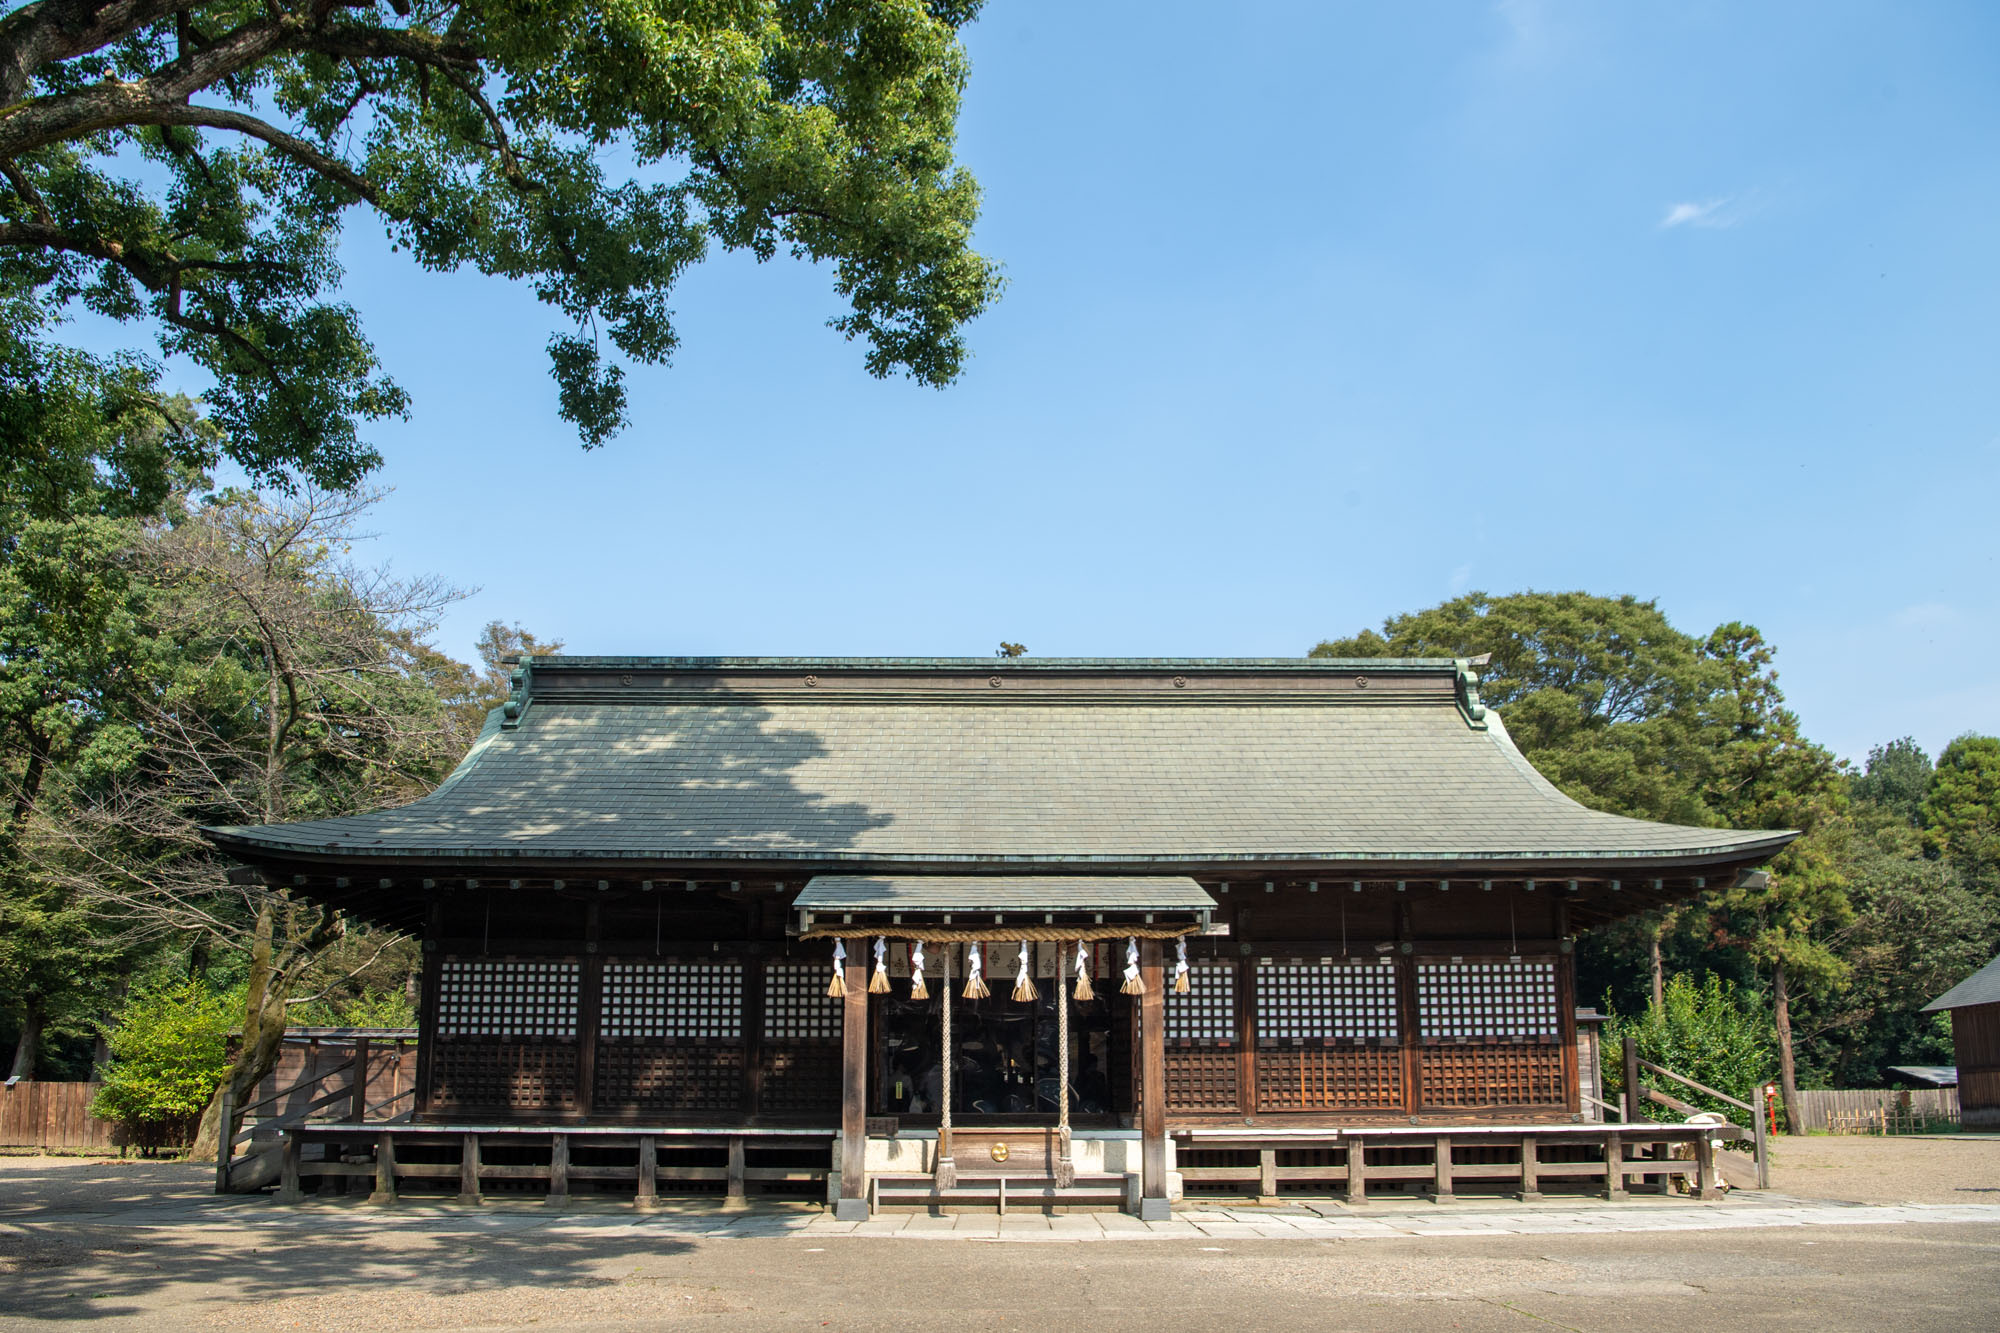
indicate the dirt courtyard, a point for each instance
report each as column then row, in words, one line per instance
column 1860, row 1168
column 143, row 1245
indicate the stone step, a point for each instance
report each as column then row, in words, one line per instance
column 1001, row 1192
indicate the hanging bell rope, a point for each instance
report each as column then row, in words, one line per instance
column 1180, row 966
column 1132, row 986
column 1024, row 985
column 1065, row 1164
column 944, row 1174
column 975, row 973
column 837, row 988
column 879, row 983
column 917, row 990
column 1083, row 990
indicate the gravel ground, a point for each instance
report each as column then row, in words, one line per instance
column 1860, row 1168
column 70, row 1252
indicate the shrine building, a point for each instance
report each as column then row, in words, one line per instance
column 937, row 929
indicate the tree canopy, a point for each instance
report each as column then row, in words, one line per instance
column 191, row 165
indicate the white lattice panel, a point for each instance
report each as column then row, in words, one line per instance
column 507, row 998
column 1208, row 1011
column 670, row 999
column 1328, row 998
column 796, row 1005
column 1487, row 999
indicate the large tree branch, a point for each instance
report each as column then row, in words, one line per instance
column 53, row 30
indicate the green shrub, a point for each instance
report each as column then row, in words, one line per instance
column 1714, row 1033
column 370, row 1009
column 169, row 1049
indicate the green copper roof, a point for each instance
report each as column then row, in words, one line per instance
column 1007, row 764
column 1002, row 893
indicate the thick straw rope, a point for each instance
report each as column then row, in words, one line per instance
column 968, row 934
column 945, row 1174
column 1065, row 1164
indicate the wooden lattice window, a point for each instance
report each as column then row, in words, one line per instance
column 673, row 999
column 1330, row 999
column 796, row 1005
column 1464, row 1001
column 1208, row 1011
column 508, row 997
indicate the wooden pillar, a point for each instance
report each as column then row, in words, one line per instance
column 558, row 1170
column 589, row 1008
column 1267, row 1175
column 735, row 1191
column 1246, row 1035
column 1531, row 1175
column 1153, row 1205
column 852, row 1203
column 1634, row 1095
column 225, row 1144
column 649, row 1173
column 385, row 1169
column 1704, row 1168
column 468, row 1171
column 754, row 966
column 427, row 1009
column 288, row 1170
column 1441, row 1172
column 358, row 1103
column 1357, row 1170
column 1614, row 1166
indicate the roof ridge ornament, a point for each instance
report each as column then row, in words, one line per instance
column 1468, row 688
column 521, row 683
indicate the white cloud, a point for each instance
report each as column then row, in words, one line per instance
column 1708, row 213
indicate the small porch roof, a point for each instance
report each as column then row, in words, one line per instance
column 825, row 894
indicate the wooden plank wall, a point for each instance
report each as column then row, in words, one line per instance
column 1818, row 1105
column 52, row 1116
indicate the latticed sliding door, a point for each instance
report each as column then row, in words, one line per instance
column 1328, row 1035
column 506, row 1035
column 801, row 1041
column 670, row 1038
column 1490, row 1033
column 1202, row 1040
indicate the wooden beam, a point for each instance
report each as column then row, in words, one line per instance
column 1153, row 1205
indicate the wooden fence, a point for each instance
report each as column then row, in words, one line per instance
column 53, row 1116
column 1821, row 1109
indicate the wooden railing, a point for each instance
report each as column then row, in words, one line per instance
column 1637, row 1093
column 1517, row 1158
column 659, row 1156
column 348, row 1100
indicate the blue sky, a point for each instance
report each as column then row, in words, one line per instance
column 1316, row 313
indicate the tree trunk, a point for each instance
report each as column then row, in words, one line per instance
column 1788, row 1081
column 257, row 1056
column 1659, row 971
column 270, row 985
column 29, row 1048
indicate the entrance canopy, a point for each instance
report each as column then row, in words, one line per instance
column 1082, row 902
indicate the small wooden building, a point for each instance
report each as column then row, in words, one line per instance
column 1974, row 1005
column 1241, row 899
